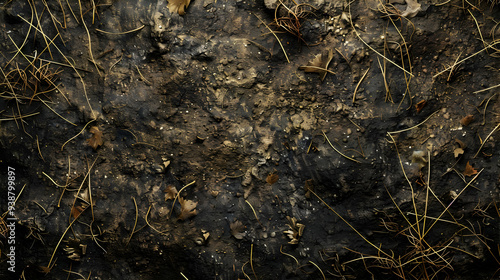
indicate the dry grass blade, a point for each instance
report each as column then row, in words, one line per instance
column 121, row 33
column 255, row 214
column 359, row 83
column 331, row 145
column 276, row 36
column 353, row 228
column 83, row 129
column 72, row 66
column 469, row 57
column 486, row 139
column 371, row 48
column 289, row 255
column 135, row 223
column 251, row 262
column 177, row 197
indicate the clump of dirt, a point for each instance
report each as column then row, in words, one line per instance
column 195, row 139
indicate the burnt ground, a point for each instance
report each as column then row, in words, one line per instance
column 208, row 103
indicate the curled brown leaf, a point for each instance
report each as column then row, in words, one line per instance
column 96, row 139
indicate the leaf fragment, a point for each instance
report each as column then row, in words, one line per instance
column 272, row 178
column 187, row 209
column 308, row 187
column 171, row 192
column 458, row 151
column 96, row 139
column 319, row 64
column 469, row 170
column 467, row 120
column 420, row 105
column 178, row 6
column 237, row 229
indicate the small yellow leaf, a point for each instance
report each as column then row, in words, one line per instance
column 178, row 6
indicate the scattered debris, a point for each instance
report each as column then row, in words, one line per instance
column 74, row 249
column 418, row 158
column 203, row 238
column 295, row 232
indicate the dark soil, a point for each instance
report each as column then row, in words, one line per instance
column 208, row 103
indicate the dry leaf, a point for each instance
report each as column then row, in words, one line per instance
column 96, row 139
column 458, row 151
column 467, row 120
column 205, row 234
column 469, row 170
column 420, row 105
column 178, row 6
column 237, row 229
column 412, row 9
column 187, row 208
column 171, row 192
column 76, row 211
column 308, row 187
column 272, row 178
column 319, row 64
column 461, row 144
